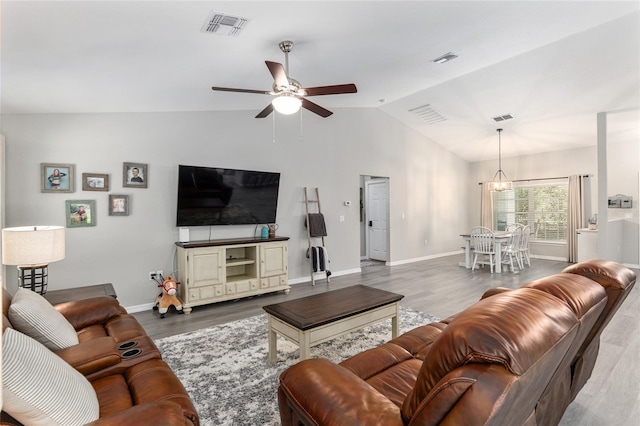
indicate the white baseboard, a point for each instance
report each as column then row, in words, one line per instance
column 420, row 259
column 556, row 258
column 140, row 308
column 323, row 276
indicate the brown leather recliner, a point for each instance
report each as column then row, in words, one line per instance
column 490, row 364
column 132, row 383
column 617, row 281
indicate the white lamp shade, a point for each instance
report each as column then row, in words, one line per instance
column 32, row 245
column 286, row 104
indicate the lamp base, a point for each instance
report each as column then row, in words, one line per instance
column 33, row 277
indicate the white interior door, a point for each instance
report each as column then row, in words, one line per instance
column 377, row 194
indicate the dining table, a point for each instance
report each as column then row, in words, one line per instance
column 500, row 238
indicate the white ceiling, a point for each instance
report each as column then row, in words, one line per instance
column 552, row 64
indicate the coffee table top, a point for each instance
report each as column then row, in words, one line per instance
column 319, row 309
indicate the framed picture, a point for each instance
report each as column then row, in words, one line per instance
column 56, row 177
column 135, row 175
column 95, row 182
column 81, row 213
column 118, row 205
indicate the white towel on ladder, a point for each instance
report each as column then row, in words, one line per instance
column 320, row 258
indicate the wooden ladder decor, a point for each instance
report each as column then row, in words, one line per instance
column 316, row 229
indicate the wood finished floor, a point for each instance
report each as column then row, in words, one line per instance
column 441, row 288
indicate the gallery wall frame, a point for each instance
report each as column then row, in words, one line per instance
column 56, row 177
column 95, row 182
column 80, row 213
column 118, row 205
column 135, row 175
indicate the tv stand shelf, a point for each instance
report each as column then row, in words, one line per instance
column 213, row 271
column 234, row 262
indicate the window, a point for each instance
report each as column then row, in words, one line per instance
column 543, row 207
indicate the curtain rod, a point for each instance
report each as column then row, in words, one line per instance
column 551, row 178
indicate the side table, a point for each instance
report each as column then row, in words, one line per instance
column 60, row 296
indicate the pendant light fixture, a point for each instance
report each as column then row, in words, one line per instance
column 498, row 184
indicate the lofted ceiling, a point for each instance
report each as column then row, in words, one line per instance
column 552, row 64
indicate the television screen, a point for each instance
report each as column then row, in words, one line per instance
column 214, row 196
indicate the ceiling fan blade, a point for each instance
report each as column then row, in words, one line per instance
column 265, row 112
column 306, row 103
column 337, row 89
column 278, row 73
column 230, row 89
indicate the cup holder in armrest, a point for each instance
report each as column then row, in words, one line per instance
column 126, row 345
column 131, row 353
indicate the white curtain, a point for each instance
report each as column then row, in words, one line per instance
column 575, row 214
column 486, row 209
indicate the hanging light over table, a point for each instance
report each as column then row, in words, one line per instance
column 500, row 181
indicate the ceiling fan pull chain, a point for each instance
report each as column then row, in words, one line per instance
column 274, row 128
column 301, row 137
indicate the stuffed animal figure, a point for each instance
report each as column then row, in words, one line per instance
column 168, row 297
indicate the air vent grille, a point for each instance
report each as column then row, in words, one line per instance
column 428, row 114
column 503, row 117
column 221, row 24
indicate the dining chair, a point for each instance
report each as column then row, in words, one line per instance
column 511, row 249
column 483, row 242
column 524, row 246
column 512, row 226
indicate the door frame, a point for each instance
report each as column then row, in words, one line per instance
column 368, row 179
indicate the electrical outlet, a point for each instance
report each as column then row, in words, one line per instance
column 155, row 275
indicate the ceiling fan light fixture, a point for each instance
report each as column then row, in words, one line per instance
column 286, row 104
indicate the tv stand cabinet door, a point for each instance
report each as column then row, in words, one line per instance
column 205, row 267
column 273, row 259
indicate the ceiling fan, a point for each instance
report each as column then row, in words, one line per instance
column 289, row 95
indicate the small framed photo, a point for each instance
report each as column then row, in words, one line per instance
column 118, row 205
column 135, row 175
column 95, row 182
column 56, row 177
column 81, row 213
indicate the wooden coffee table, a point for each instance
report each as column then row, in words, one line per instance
column 315, row 319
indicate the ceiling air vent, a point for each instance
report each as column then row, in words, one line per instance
column 503, row 117
column 445, row 58
column 222, row 24
column 428, row 114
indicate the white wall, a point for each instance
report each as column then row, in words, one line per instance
column 427, row 183
column 623, row 165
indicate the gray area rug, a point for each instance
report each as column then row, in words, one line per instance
column 225, row 370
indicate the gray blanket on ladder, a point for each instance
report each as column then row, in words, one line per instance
column 317, row 227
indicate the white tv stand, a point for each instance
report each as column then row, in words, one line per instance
column 217, row 270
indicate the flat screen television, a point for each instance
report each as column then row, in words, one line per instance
column 215, row 196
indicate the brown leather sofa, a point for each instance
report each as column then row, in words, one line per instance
column 516, row 357
column 132, row 383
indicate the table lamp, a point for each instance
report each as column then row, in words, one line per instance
column 32, row 248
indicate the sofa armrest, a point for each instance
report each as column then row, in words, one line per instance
column 89, row 357
column 494, row 291
column 317, row 391
column 87, row 312
column 154, row 413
